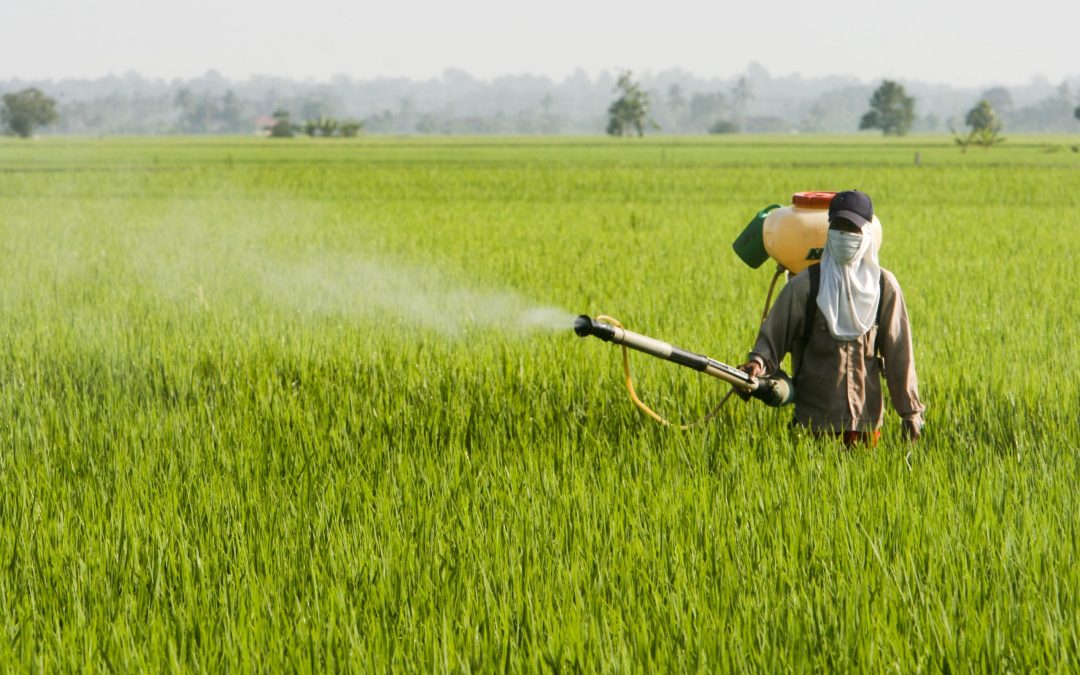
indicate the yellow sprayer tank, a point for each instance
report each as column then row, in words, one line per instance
column 794, row 236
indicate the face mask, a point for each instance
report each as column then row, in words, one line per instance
column 843, row 245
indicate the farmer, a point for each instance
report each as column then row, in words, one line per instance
column 837, row 319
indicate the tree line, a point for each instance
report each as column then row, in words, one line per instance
column 456, row 103
column 891, row 110
column 323, row 126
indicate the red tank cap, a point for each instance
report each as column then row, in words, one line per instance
column 812, row 200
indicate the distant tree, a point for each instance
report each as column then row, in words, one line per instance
column 25, row 110
column 327, row 126
column 628, row 113
column 723, row 127
column 283, row 126
column 350, row 128
column 321, row 126
column 985, row 127
column 891, row 110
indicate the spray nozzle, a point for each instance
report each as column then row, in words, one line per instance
column 585, row 325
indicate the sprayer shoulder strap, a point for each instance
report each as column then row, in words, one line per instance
column 811, row 312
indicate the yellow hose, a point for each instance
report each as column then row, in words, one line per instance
column 768, row 298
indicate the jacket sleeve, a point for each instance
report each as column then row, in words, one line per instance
column 896, row 349
column 784, row 324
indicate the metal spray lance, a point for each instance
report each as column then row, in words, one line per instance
column 771, row 391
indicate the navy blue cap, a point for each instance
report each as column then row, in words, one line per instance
column 853, row 206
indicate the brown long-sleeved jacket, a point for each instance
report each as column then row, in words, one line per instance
column 839, row 385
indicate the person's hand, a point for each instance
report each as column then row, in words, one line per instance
column 753, row 368
column 912, row 432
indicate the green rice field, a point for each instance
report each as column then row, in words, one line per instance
column 315, row 405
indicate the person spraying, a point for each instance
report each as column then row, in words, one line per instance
column 845, row 323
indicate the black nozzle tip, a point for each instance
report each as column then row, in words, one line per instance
column 583, row 325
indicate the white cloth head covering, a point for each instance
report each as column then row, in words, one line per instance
column 849, row 294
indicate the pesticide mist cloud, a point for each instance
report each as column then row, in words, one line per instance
column 418, row 297
column 243, row 270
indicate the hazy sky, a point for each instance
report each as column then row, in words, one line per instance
column 958, row 42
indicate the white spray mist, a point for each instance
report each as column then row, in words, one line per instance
column 419, row 297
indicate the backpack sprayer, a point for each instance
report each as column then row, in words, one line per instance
column 793, row 236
